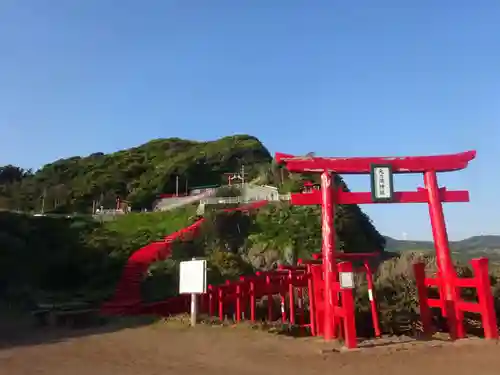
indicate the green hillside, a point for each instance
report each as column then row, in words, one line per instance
column 276, row 233
column 137, row 174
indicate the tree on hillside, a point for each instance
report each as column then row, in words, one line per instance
column 10, row 174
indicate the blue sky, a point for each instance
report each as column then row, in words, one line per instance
column 341, row 78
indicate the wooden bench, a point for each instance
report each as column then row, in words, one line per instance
column 64, row 314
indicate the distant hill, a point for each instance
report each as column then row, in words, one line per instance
column 472, row 247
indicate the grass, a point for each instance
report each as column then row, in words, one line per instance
column 157, row 222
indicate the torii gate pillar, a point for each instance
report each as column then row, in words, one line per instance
column 443, row 256
column 328, row 250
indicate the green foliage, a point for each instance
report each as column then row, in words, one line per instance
column 10, row 174
column 220, row 240
column 70, row 255
column 227, row 266
column 296, row 230
column 292, row 232
column 138, row 174
column 133, row 231
column 161, row 281
column 396, row 292
column 42, row 253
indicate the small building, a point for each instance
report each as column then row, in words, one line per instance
column 260, row 192
column 202, row 189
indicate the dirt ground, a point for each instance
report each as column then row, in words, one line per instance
column 172, row 348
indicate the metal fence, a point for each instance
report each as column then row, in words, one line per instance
column 240, row 199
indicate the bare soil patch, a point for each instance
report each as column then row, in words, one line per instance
column 172, row 348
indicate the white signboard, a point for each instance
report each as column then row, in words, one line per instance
column 193, row 277
column 346, row 280
column 382, row 183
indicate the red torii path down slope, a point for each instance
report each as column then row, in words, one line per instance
column 127, row 297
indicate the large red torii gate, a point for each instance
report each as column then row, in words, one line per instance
column 381, row 170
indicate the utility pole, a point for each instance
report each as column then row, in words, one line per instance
column 177, row 185
column 43, row 200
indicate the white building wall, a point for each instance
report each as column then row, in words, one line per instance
column 263, row 192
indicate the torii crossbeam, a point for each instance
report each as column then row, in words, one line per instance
column 362, row 165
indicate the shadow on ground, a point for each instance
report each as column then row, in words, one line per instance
column 24, row 331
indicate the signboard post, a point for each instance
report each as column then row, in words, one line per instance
column 382, row 183
column 193, row 280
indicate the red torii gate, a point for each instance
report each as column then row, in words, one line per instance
column 381, row 170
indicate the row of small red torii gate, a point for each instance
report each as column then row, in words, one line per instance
column 336, row 313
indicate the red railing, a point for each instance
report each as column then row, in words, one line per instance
column 368, row 271
column 239, row 297
column 484, row 305
column 291, row 284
